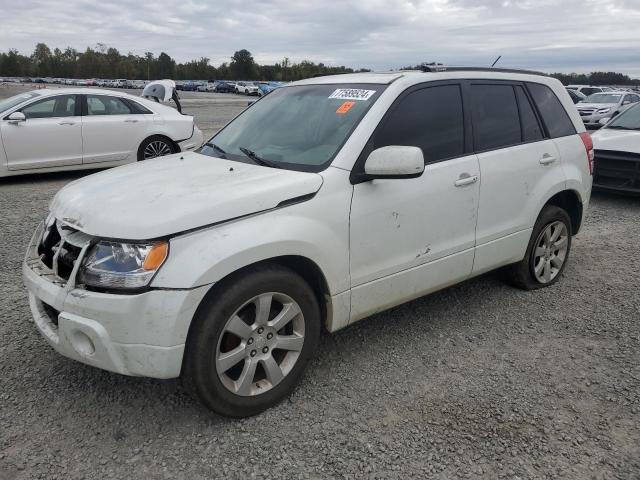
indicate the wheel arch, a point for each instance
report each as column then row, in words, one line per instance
column 569, row 201
column 303, row 266
column 154, row 135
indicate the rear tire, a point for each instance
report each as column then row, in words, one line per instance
column 547, row 253
column 155, row 146
column 251, row 340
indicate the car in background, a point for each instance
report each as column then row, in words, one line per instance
column 247, row 88
column 587, row 89
column 267, row 87
column 207, row 87
column 598, row 106
column 48, row 130
column 575, row 95
column 617, row 153
column 224, row 87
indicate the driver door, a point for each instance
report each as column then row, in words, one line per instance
column 412, row 236
column 51, row 135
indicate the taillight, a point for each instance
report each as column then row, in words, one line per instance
column 588, row 146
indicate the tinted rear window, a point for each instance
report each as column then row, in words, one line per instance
column 553, row 113
column 496, row 122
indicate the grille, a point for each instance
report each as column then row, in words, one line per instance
column 586, row 111
column 60, row 247
column 617, row 170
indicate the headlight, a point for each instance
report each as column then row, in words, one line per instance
column 121, row 265
column 603, row 110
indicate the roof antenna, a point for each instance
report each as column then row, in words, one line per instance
column 497, row 60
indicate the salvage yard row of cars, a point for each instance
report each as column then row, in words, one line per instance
column 258, row 88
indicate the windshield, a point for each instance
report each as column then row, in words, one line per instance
column 603, row 98
column 11, row 102
column 627, row 120
column 299, row 128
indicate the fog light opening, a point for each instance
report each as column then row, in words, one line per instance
column 82, row 343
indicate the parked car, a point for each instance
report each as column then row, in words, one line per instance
column 328, row 200
column 267, row 87
column 224, row 87
column 617, row 153
column 587, row 90
column 602, row 105
column 575, row 95
column 71, row 129
column 246, row 88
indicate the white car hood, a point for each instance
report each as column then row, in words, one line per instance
column 172, row 194
column 618, row 140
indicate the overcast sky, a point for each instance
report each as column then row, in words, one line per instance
column 549, row 35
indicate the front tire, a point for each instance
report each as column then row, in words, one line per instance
column 547, row 252
column 251, row 340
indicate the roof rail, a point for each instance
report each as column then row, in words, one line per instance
column 444, row 68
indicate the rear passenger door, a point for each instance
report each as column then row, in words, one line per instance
column 112, row 129
column 411, row 236
column 518, row 164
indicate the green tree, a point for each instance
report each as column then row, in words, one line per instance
column 242, row 66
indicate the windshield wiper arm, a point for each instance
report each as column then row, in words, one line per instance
column 257, row 159
column 216, row 147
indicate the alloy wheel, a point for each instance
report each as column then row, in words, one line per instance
column 550, row 251
column 157, row 148
column 260, row 344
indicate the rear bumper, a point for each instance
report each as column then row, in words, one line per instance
column 195, row 141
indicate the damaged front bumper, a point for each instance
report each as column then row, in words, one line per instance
column 132, row 334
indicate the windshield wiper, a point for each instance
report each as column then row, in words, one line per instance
column 257, row 159
column 216, row 147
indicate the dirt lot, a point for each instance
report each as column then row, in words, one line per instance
column 477, row 381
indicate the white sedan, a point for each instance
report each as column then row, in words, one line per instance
column 78, row 128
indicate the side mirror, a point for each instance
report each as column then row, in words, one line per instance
column 17, row 117
column 626, row 102
column 395, row 161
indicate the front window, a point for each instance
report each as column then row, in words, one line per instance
column 602, row 98
column 298, row 128
column 16, row 100
column 627, row 120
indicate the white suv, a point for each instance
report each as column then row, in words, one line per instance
column 325, row 202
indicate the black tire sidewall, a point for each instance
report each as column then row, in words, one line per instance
column 216, row 309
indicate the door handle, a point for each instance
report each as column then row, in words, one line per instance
column 131, row 120
column 547, row 159
column 66, row 123
column 466, row 179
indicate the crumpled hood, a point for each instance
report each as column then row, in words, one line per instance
column 618, row 140
column 175, row 193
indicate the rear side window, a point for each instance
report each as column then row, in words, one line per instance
column 496, row 122
column 553, row 113
column 430, row 118
column 106, row 105
column 531, row 131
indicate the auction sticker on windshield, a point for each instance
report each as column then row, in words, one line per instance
column 352, row 94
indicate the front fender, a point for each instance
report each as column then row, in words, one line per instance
column 317, row 229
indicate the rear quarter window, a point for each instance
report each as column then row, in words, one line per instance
column 553, row 113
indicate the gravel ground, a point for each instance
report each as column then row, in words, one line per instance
column 477, row 381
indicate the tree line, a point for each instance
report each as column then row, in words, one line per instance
column 107, row 62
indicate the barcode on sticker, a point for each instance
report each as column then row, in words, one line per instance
column 352, row 94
